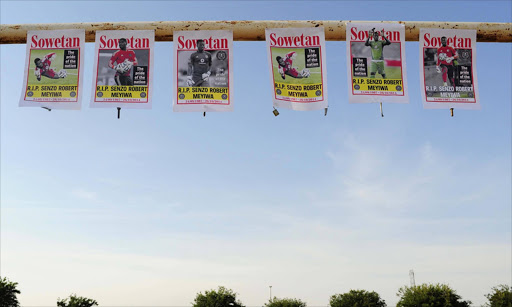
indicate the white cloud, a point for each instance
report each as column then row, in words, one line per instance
column 83, row 193
column 387, row 177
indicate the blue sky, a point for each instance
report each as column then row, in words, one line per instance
column 157, row 206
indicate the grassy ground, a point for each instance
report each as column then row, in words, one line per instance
column 392, row 72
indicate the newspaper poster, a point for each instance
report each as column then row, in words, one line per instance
column 53, row 69
column 376, row 63
column 203, row 73
column 448, row 69
column 298, row 71
column 123, row 69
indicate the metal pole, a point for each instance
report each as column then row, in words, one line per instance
column 270, row 294
column 253, row 30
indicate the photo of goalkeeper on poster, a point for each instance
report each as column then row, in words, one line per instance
column 285, row 65
column 123, row 69
column 376, row 63
column 297, row 67
column 448, row 69
column 200, row 66
column 43, row 67
column 203, row 71
column 53, row 68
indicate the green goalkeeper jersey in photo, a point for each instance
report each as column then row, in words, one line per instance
column 377, row 47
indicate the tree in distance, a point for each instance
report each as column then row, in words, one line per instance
column 500, row 296
column 76, row 301
column 8, row 293
column 285, row 302
column 430, row 295
column 221, row 297
column 357, row 298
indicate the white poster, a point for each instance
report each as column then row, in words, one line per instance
column 376, row 63
column 123, row 69
column 203, row 71
column 53, row 69
column 448, row 69
column 297, row 66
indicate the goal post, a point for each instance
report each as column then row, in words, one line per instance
column 253, row 30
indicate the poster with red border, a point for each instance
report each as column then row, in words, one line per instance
column 203, row 71
column 448, row 69
column 297, row 66
column 53, row 69
column 376, row 63
column 123, row 69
